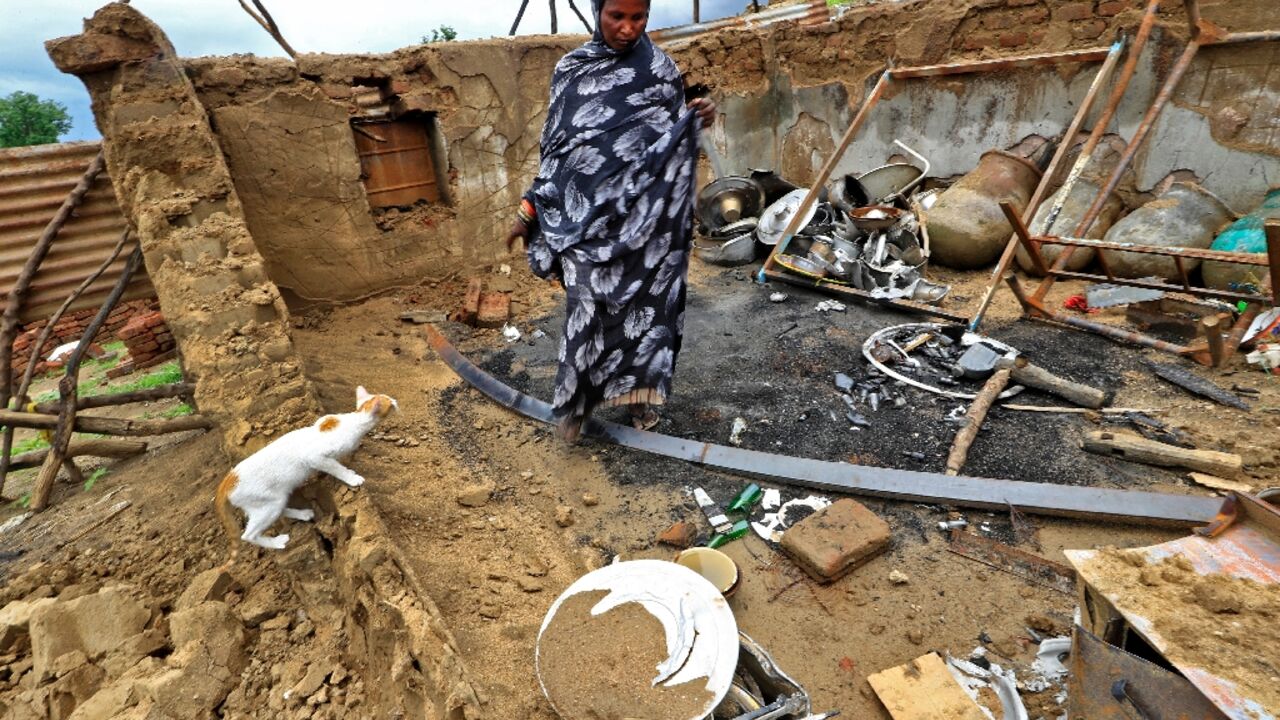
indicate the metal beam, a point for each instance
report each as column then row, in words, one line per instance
column 1101, row 504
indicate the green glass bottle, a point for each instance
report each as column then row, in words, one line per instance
column 746, row 499
column 739, row 529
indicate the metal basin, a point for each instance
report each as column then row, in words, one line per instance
column 889, row 180
column 728, row 200
column 732, row 252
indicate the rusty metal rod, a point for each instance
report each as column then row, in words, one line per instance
column 1272, row 230
column 1246, row 37
column 979, row 66
column 1021, row 234
column 1186, row 252
column 1100, row 128
column 825, row 173
column 1011, row 247
column 1167, row 287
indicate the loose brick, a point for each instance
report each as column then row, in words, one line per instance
column 495, row 310
column 1089, row 29
column 470, row 303
column 835, row 540
column 681, row 535
column 1074, row 11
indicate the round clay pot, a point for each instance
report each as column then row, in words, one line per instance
column 1246, row 235
column 1186, row 215
column 1078, row 203
column 967, row 229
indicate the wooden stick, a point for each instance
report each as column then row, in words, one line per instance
column 22, row 286
column 1105, row 411
column 96, row 401
column 90, row 448
column 519, row 16
column 1141, row 450
column 581, row 17
column 269, row 24
column 68, row 386
column 973, row 419
column 697, row 12
column 1037, row 377
column 1213, row 335
column 108, row 426
column 555, row 23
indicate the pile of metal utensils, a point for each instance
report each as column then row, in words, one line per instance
column 863, row 231
column 943, row 359
column 762, row 691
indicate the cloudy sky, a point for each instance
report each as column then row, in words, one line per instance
column 220, row 27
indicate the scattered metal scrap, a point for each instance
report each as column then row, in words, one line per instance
column 1099, row 504
column 1027, row 566
column 1195, row 384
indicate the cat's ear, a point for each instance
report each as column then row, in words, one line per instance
column 362, row 396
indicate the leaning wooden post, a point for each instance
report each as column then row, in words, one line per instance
column 519, row 16
column 37, row 349
column 581, row 17
column 973, row 419
column 67, row 387
column 22, row 285
column 555, row 23
column 697, row 12
column 268, row 23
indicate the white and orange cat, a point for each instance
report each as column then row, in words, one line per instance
column 261, row 484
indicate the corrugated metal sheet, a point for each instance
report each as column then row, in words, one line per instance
column 33, row 183
column 395, row 160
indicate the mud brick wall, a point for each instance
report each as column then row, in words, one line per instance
column 172, row 182
column 70, row 328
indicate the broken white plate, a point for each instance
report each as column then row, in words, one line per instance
column 701, row 632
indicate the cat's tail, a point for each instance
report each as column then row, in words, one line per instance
column 221, row 507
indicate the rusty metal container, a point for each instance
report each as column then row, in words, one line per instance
column 966, row 226
column 1185, row 215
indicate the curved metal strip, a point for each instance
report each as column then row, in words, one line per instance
column 1129, row 506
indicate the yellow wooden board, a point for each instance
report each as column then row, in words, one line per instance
column 924, row 689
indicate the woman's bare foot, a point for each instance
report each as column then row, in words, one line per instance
column 569, row 429
column 644, row 417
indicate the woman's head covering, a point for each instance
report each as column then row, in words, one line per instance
column 597, row 7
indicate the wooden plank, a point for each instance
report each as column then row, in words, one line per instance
column 1217, row 483
column 1141, row 450
column 923, row 689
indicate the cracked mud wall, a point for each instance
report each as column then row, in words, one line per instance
column 170, row 179
column 286, row 132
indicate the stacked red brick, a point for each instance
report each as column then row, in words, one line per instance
column 148, row 340
column 69, row 329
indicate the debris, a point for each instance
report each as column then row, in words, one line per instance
column 476, row 494
column 1267, row 323
column 1037, row 377
column 1104, row 295
column 777, row 297
column 739, row 426
column 772, row 499
column 836, row 539
column 15, row 521
column 564, row 516
column 747, row 499
column 511, row 333
column 1013, row 561
column 719, row 521
column 771, row 526
column 495, row 310
column 830, row 306
column 1267, row 357
column 995, row 678
column 590, row 499
column 61, row 627
column 978, row 362
column 923, row 689
column 949, row 525
column 1195, row 384
column 422, row 317
column 897, row 577
column 681, row 535
column 15, row 619
column 735, row 531
column 470, row 303
column 1138, row 449
column 1217, row 483
column 974, row 417
column 209, row 585
column 844, row 383
column 719, row 569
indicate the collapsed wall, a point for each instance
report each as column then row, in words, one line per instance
column 173, row 184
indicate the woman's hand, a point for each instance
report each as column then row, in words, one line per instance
column 706, row 110
column 518, row 231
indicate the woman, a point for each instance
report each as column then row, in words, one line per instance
column 610, row 216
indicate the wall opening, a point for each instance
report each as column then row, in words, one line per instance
column 400, row 162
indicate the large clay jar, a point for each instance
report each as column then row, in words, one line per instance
column 967, row 229
column 1186, row 215
column 1246, row 235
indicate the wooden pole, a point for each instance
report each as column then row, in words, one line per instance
column 1037, row 377
column 1209, row 324
column 973, row 418
column 697, row 12
column 37, row 351
column 123, row 427
column 555, row 24
column 68, row 386
column 519, row 16
column 1149, row 452
column 77, row 448
column 22, row 286
column 263, row 18
column 581, row 17
column 96, row 401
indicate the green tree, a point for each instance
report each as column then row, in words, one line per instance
column 25, row 119
column 444, row 33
